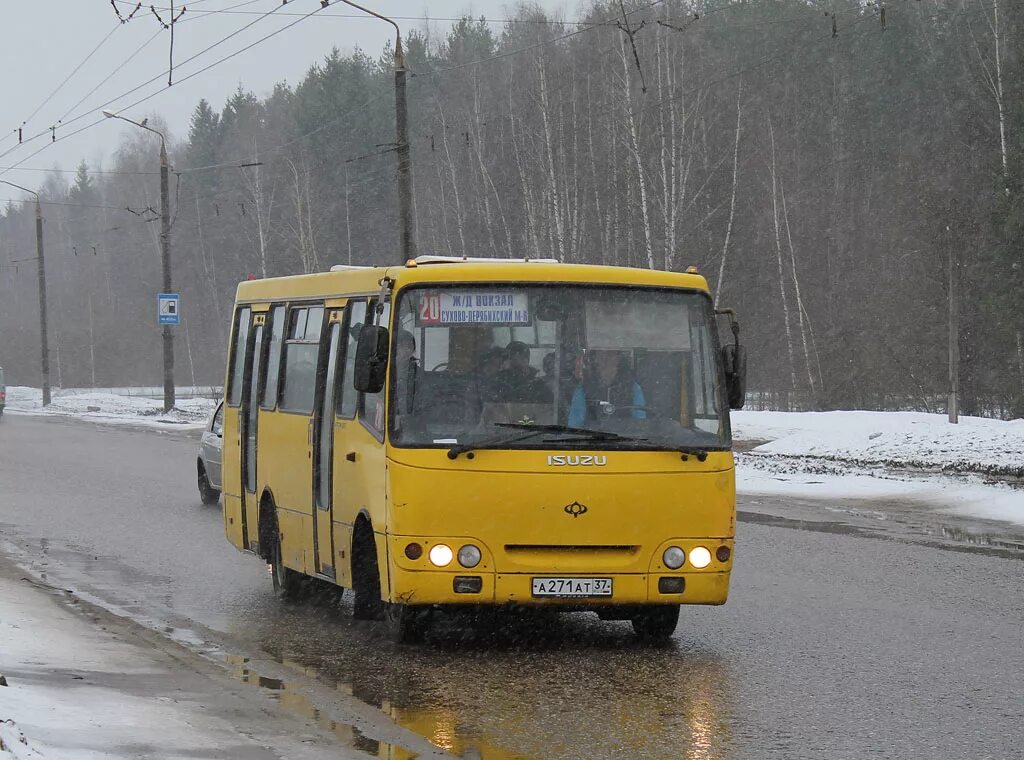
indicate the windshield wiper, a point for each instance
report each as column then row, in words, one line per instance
column 465, row 448
column 579, row 435
column 605, row 434
column 534, row 430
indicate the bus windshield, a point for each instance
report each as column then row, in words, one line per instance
column 485, row 363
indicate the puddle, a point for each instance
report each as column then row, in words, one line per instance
column 293, row 698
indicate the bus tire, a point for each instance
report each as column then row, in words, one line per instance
column 367, row 603
column 407, row 624
column 288, row 583
column 207, row 493
column 656, row 623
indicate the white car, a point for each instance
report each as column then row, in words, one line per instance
column 209, row 462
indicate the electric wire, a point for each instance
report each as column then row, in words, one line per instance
column 164, row 73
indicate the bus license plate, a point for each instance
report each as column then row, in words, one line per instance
column 572, row 587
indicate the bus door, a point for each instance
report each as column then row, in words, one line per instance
column 323, row 450
column 231, row 456
column 249, row 419
column 359, row 478
column 292, row 470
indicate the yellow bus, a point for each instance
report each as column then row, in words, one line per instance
column 468, row 433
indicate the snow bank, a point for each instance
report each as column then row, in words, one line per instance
column 891, row 439
column 189, row 413
column 13, row 743
column 886, row 455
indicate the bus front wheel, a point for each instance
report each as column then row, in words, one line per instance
column 656, row 623
column 366, row 604
column 406, row 623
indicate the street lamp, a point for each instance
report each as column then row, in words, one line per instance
column 41, row 270
column 401, row 140
column 165, row 254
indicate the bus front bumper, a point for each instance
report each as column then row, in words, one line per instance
column 443, row 587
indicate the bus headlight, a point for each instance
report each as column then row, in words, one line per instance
column 700, row 557
column 674, row 557
column 469, row 556
column 441, row 555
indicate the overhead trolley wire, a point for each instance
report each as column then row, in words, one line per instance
column 74, row 71
column 162, row 89
column 164, row 73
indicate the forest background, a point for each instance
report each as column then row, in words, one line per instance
column 830, row 167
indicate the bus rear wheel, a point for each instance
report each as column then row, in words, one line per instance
column 656, row 624
column 288, row 583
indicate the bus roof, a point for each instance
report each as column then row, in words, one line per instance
column 344, row 280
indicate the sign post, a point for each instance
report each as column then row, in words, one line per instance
column 168, row 308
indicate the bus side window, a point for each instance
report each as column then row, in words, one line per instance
column 371, row 409
column 300, row 359
column 348, row 397
column 273, row 370
column 238, row 347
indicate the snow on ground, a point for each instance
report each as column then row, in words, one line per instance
column 973, row 468
column 111, row 408
column 901, row 439
column 13, row 743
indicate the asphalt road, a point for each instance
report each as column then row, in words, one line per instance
column 845, row 636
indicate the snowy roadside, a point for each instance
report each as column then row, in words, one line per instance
column 111, row 408
column 975, row 468
column 84, row 684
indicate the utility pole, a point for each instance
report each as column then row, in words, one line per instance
column 165, row 265
column 165, row 253
column 404, row 154
column 408, row 246
column 953, row 405
column 41, row 275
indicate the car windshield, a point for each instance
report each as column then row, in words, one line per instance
column 482, row 363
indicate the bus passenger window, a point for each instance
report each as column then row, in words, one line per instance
column 241, row 339
column 300, row 356
column 348, row 395
column 270, row 389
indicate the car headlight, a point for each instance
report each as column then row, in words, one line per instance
column 469, row 556
column 441, row 555
column 673, row 558
column 700, row 557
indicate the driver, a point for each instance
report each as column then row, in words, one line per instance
column 607, row 388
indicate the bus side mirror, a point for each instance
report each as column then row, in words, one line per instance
column 371, row 359
column 734, row 361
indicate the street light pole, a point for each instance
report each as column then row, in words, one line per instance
column 401, row 141
column 165, row 254
column 41, row 275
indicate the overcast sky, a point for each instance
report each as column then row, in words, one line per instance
column 44, row 41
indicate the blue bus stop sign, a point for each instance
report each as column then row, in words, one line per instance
column 168, row 308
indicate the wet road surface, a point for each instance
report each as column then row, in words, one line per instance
column 846, row 635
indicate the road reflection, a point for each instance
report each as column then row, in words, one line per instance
column 539, row 687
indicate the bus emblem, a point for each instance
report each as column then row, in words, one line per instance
column 576, row 509
column 571, row 460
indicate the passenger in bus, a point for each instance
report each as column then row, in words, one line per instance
column 520, row 383
column 550, row 370
column 487, row 381
column 561, row 380
column 607, row 389
column 406, row 371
